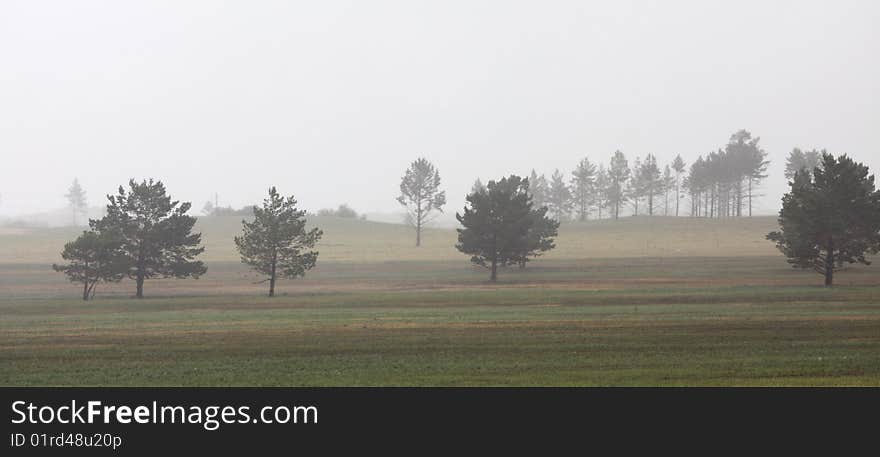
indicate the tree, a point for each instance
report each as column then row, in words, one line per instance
column 539, row 189
column 276, row 243
column 801, row 161
column 635, row 190
column 650, row 181
column 559, row 202
column 496, row 224
column 667, row 184
column 93, row 257
column 724, row 181
column 155, row 233
column 678, row 166
column 420, row 194
column 830, row 217
column 745, row 161
column 618, row 175
column 583, row 188
column 76, row 200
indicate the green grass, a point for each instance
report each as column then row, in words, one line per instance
column 503, row 337
column 426, row 317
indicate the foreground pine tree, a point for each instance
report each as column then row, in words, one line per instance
column 93, row 258
column 831, row 217
column 276, row 243
column 155, row 234
column 496, row 224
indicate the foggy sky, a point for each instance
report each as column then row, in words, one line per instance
column 331, row 100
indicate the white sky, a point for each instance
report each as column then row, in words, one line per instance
column 331, row 100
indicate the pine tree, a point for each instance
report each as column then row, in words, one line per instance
column 830, row 217
column 583, row 188
column 635, row 189
column 667, row 184
column 601, row 190
column 76, row 200
column 276, row 243
column 560, row 197
column 420, row 194
column 154, row 233
column 618, row 175
column 802, row 161
column 93, row 257
column 650, row 181
column 678, row 166
column 539, row 189
column 496, row 224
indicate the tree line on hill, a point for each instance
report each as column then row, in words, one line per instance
column 722, row 183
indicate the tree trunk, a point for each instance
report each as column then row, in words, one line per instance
column 140, row 285
column 750, row 197
column 272, row 278
column 85, row 291
column 829, row 267
column 419, row 220
column 140, row 275
column 494, row 275
column 677, row 196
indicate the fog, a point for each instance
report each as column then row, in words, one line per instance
column 331, row 101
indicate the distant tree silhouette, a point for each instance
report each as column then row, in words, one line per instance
column 601, row 190
column 618, row 175
column 420, row 194
column 76, row 201
column 649, row 181
column 539, row 189
column 722, row 183
column 667, row 185
column 559, row 201
column 678, row 166
column 583, row 188
column 802, row 161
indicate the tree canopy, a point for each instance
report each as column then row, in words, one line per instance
column 154, row 232
column 496, row 224
column 92, row 258
column 801, row 161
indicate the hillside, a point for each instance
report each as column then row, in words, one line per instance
column 367, row 241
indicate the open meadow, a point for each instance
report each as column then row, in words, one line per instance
column 640, row 301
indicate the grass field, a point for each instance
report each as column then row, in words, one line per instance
column 637, row 302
